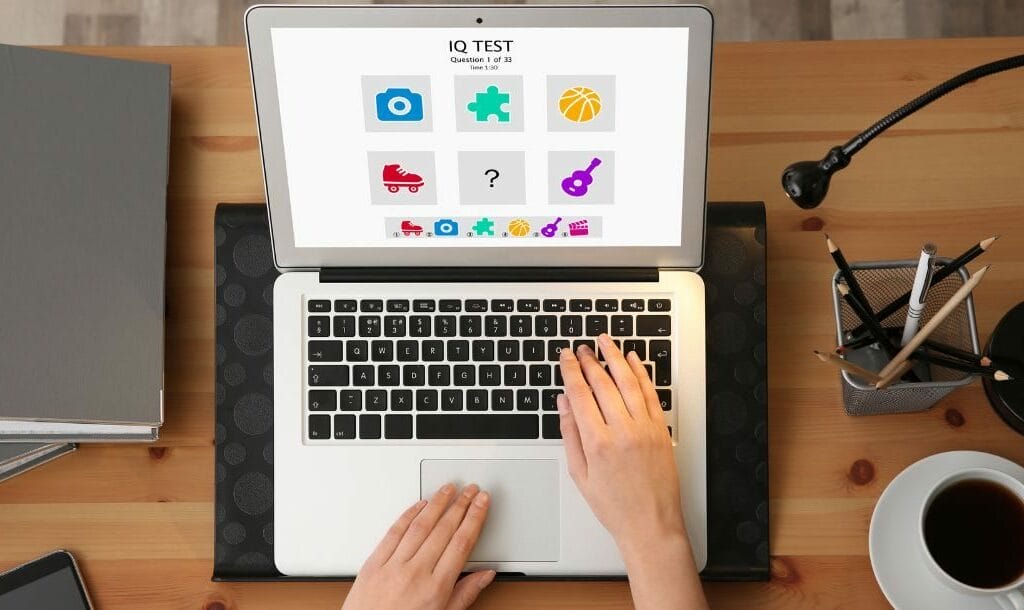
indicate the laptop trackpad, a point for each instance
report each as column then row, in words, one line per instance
column 523, row 520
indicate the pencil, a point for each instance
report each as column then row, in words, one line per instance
column 957, row 365
column 901, row 370
column 940, row 274
column 956, row 352
column 844, row 269
column 848, row 366
column 940, row 316
column 868, row 318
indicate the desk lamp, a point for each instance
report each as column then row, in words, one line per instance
column 807, row 182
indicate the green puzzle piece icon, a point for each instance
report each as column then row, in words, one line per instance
column 489, row 103
column 484, row 226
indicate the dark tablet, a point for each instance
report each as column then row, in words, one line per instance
column 52, row 582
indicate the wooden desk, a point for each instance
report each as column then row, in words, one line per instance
column 140, row 518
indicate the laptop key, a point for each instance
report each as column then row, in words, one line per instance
column 344, row 326
column 324, row 351
column 503, row 305
column 659, row 304
column 328, row 375
column 439, row 375
column 572, row 326
column 351, row 400
column 554, row 304
column 470, row 326
column 496, row 326
column 357, row 351
column 371, row 306
column 533, row 351
column 319, row 306
column 376, row 400
column 501, row 400
column 632, row 304
column 581, row 305
column 433, row 351
column 323, row 400
column 458, row 350
column 540, row 375
column 408, row 351
column 665, row 398
column 344, row 305
column 319, row 427
column 344, row 427
column 477, row 305
column 528, row 305
column 424, row 305
column 397, row 426
column 661, row 355
column 515, row 375
column 450, row 305
column 508, row 351
column 451, row 400
column 622, row 326
column 419, row 326
column 527, row 400
column 414, row 375
column 473, row 426
column 465, row 375
column 490, row 374
column 382, row 351
column 520, row 326
column 549, row 399
column 369, row 426
column 555, row 346
column 558, row 375
column 362, row 375
column 551, row 426
column 398, row 305
column 369, row 326
column 545, row 326
column 588, row 342
column 444, row 326
column 476, row 400
column 638, row 346
column 653, row 326
column 394, row 326
column 596, row 325
column 388, row 375
column 401, row 400
column 318, row 326
column 607, row 305
column 426, row 400
column 483, row 350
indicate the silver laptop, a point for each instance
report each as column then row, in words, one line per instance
column 456, row 194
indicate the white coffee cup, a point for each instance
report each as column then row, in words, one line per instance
column 1009, row 596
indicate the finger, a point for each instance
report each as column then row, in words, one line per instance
column 382, row 553
column 438, row 539
column 646, row 388
column 575, row 458
column 424, row 523
column 461, row 545
column 584, row 408
column 624, row 377
column 607, row 395
column 467, row 590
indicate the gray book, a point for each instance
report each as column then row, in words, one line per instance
column 83, row 184
column 16, row 458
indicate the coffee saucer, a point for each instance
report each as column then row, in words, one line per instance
column 893, row 542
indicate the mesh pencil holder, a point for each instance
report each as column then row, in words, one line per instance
column 882, row 282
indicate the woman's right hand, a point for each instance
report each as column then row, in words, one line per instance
column 620, row 456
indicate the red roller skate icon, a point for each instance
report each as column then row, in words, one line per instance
column 408, row 228
column 396, row 178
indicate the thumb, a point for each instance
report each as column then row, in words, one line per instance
column 467, row 589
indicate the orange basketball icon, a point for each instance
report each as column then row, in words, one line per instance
column 579, row 104
column 519, row 227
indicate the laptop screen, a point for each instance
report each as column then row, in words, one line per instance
column 491, row 137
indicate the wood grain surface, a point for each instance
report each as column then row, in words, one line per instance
column 140, row 518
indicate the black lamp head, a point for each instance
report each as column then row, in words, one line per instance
column 806, row 182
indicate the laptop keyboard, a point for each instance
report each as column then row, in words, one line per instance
column 449, row 369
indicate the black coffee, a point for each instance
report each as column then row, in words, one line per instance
column 974, row 530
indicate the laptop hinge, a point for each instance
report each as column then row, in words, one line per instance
column 488, row 274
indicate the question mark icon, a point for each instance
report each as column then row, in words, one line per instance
column 494, row 177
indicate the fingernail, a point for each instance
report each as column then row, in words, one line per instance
column 446, row 489
column 632, row 356
column 470, row 490
column 482, row 499
column 585, row 350
column 420, row 504
column 604, row 338
column 566, row 353
column 560, row 403
column 488, row 579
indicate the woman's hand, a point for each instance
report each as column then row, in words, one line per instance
column 620, row 456
column 418, row 562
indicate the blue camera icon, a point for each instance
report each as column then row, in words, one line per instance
column 399, row 104
column 446, row 227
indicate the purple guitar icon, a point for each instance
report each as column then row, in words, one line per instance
column 576, row 185
column 551, row 228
